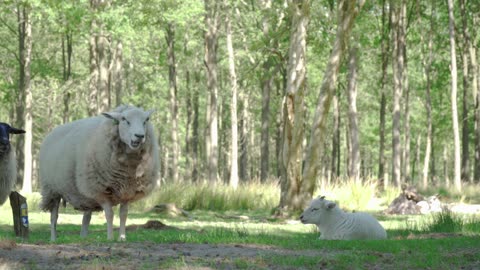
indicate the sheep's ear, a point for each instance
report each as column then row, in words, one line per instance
column 115, row 116
column 148, row 113
column 16, row 131
column 331, row 205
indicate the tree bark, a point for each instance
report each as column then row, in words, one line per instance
column 211, row 44
column 172, row 81
column 383, row 100
column 267, row 79
column 453, row 69
column 293, row 108
column 347, row 11
column 335, row 165
column 67, row 71
column 427, row 63
column 397, row 70
column 233, row 107
column 465, row 165
column 118, row 73
column 406, row 131
column 93, row 83
column 354, row 150
column 27, row 177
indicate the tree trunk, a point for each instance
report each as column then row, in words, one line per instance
column 335, row 166
column 293, row 108
column 172, row 82
column 347, row 11
column 118, row 73
column 27, row 55
column 406, row 131
column 23, row 25
column 93, row 83
column 233, row 106
column 383, row 100
column 195, row 129
column 354, row 151
column 267, row 79
column 465, row 165
column 427, row 63
column 397, row 70
column 102, row 48
column 211, row 44
column 475, row 70
column 453, row 69
column 67, row 71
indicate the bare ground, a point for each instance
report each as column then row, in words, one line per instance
column 136, row 255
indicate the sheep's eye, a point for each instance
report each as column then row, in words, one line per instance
column 314, row 209
column 125, row 119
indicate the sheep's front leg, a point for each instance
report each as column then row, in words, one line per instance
column 87, row 216
column 53, row 220
column 107, row 208
column 123, row 221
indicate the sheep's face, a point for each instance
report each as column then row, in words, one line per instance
column 318, row 210
column 5, row 131
column 132, row 126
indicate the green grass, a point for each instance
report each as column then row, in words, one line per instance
column 439, row 241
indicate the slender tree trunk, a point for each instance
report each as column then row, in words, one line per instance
column 118, row 73
column 335, row 165
column 354, row 151
column 267, row 79
column 172, row 79
column 465, row 166
column 102, row 48
column 67, row 71
column 27, row 177
column 211, row 44
column 234, row 126
column 293, row 108
column 347, row 11
column 93, row 85
column 195, row 129
column 427, row 63
column 21, row 96
column 383, row 100
column 453, row 69
column 475, row 70
column 244, row 145
column 397, row 70
column 406, row 141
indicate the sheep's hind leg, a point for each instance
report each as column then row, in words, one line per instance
column 123, row 220
column 87, row 216
column 54, row 219
column 107, row 207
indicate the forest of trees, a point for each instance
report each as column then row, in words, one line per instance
column 297, row 91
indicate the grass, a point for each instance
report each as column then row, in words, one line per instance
column 439, row 241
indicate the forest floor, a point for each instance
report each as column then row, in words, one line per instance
column 150, row 255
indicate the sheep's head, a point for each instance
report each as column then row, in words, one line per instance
column 5, row 131
column 132, row 126
column 318, row 210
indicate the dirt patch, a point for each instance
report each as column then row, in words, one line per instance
column 136, row 255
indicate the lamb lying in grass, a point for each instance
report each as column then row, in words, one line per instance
column 334, row 223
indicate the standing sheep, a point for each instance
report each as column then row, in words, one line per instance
column 97, row 163
column 333, row 223
column 8, row 163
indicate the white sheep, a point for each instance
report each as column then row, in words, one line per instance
column 98, row 162
column 8, row 163
column 334, row 223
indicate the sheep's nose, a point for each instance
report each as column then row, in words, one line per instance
column 140, row 136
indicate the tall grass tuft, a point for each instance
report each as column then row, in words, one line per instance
column 351, row 195
column 216, row 196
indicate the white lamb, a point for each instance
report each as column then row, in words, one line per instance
column 333, row 223
column 8, row 163
column 97, row 163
